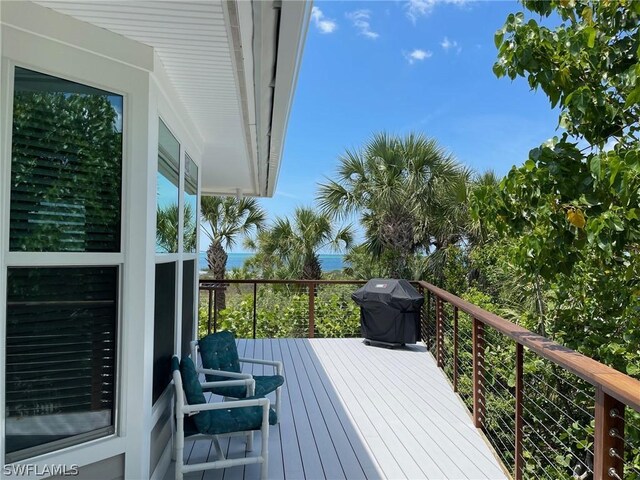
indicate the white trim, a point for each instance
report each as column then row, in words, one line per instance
column 81, row 455
column 76, row 65
column 6, row 107
column 163, row 402
column 241, row 51
column 177, row 118
column 33, row 52
column 139, row 274
column 68, row 31
column 63, row 259
column 165, row 459
column 294, row 24
column 167, row 257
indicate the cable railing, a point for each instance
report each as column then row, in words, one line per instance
column 259, row 308
column 548, row 411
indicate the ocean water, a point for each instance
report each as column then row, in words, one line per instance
column 328, row 261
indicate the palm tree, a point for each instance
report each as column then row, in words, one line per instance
column 394, row 184
column 167, row 228
column 224, row 220
column 263, row 264
column 455, row 227
column 298, row 242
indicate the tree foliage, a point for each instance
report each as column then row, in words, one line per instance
column 573, row 208
column 66, row 172
column 225, row 219
column 290, row 247
column 396, row 186
column 167, row 220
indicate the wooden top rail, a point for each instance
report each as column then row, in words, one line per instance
column 617, row 384
column 284, row 282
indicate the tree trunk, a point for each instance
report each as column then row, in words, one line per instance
column 398, row 266
column 397, row 235
column 217, row 260
column 312, row 269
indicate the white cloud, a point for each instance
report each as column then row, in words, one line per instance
column 322, row 23
column 447, row 45
column 286, row 194
column 360, row 19
column 417, row 55
column 422, row 8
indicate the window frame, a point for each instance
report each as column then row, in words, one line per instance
column 173, row 126
column 10, row 259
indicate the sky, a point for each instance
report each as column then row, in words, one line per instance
column 402, row 66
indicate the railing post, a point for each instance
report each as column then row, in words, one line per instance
column 210, row 306
column 421, row 292
column 427, row 320
column 441, row 346
column 215, row 311
column 517, row 474
column 255, row 310
column 439, row 335
column 312, row 307
column 455, row 349
column 478, row 372
column 608, row 442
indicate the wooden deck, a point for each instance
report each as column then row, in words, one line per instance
column 351, row 411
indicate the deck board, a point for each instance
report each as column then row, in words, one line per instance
column 351, row 411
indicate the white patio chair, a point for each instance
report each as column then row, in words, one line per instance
column 220, row 361
column 197, row 419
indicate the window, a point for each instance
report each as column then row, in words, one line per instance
column 66, row 177
column 167, row 217
column 66, row 166
column 188, row 298
column 190, row 205
column 61, row 340
column 164, row 326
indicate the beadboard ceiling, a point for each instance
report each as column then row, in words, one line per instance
column 191, row 40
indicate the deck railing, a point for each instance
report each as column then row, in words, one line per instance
column 563, row 403
column 549, row 412
column 307, row 292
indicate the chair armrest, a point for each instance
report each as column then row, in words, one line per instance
column 201, row 407
column 224, row 373
column 248, row 382
column 273, row 363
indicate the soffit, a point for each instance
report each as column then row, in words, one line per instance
column 191, row 40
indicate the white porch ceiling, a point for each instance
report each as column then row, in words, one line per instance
column 192, row 42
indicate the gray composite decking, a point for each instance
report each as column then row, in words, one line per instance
column 351, row 411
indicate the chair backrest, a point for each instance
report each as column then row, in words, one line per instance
column 177, row 385
column 189, row 391
column 219, row 352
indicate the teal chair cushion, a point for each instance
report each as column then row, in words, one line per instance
column 216, row 422
column 238, row 419
column 219, row 352
column 264, row 386
column 193, row 391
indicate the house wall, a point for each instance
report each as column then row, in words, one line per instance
column 42, row 40
column 107, row 469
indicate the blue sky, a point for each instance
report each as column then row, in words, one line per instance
column 402, row 66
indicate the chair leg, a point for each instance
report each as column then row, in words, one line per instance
column 179, row 452
column 250, row 441
column 218, row 448
column 173, row 447
column 264, row 453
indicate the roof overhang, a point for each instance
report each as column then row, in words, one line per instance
column 234, row 66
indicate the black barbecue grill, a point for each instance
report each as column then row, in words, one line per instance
column 389, row 312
